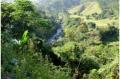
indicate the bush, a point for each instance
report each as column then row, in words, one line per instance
column 109, row 35
column 91, row 25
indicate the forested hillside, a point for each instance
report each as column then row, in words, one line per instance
column 57, row 5
column 59, row 39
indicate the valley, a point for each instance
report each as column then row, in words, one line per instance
column 60, row 39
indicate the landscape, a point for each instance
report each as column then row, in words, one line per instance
column 60, row 39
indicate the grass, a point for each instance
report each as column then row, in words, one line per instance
column 103, row 22
column 74, row 9
column 77, row 16
column 99, row 23
column 92, row 7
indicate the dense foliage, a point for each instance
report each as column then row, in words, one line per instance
column 84, row 49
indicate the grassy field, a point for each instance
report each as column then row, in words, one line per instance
column 74, row 9
column 100, row 23
column 103, row 22
column 90, row 8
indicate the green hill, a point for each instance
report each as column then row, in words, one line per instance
column 91, row 7
column 87, row 8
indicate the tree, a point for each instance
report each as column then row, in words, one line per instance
column 91, row 25
column 6, row 17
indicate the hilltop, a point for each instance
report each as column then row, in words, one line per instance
column 94, row 11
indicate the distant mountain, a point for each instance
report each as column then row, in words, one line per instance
column 56, row 5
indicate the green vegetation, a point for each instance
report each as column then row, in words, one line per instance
column 85, row 48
